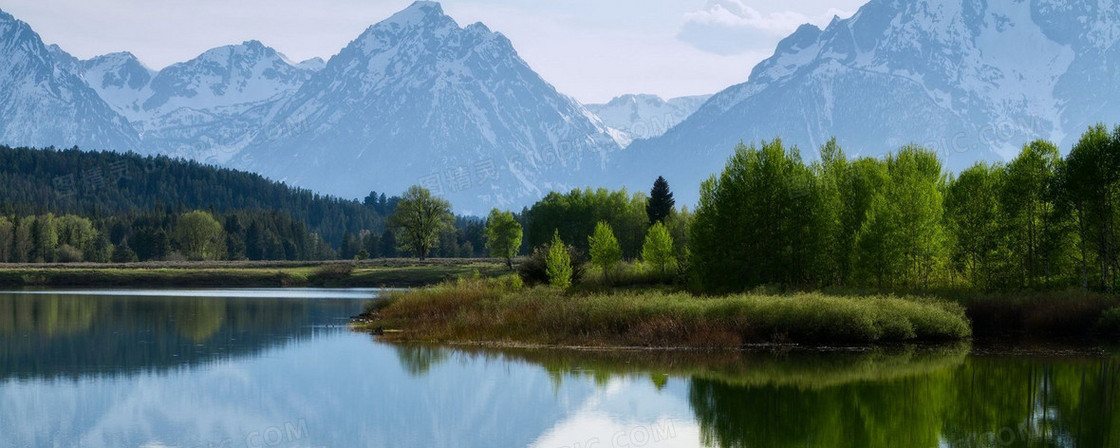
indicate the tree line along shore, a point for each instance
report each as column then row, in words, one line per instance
column 907, row 250
column 846, row 250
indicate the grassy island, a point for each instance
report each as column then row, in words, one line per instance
column 502, row 311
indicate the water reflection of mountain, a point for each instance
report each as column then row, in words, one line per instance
column 68, row 335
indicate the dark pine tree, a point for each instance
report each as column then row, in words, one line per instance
column 661, row 201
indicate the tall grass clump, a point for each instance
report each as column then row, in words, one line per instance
column 502, row 311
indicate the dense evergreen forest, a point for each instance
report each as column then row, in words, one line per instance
column 72, row 205
column 97, row 184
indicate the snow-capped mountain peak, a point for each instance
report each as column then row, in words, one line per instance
column 233, row 75
column 121, row 80
column 45, row 102
column 643, row 116
column 419, row 99
column 313, row 64
column 970, row 79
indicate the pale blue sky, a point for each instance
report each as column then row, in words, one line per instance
column 590, row 49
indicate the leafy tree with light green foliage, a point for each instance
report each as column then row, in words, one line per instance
column 23, row 244
column 605, row 251
column 658, row 248
column 559, row 263
column 576, row 213
column 503, row 235
column 904, row 238
column 973, row 209
column 761, row 221
column 76, row 231
column 44, row 237
column 1090, row 180
column 1029, row 210
column 199, row 235
column 7, row 237
column 419, row 219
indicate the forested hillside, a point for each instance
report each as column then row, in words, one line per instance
column 97, row 184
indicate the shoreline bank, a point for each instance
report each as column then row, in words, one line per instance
column 390, row 273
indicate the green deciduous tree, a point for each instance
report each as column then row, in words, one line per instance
column 419, row 219
column 974, row 212
column 903, row 241
column 604, row 249
column 503, row 236
column 199, row 235
column 761, row 221
column 76, row 231
column 576, row 214
column 44, row 237
column 1029, row 210
column 23, row 244
column 7, row 238
column 658, row 248
column 559, row 263
column 1090, row 179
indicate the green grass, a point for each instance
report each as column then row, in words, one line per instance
column 500, row 310
column 399, row 273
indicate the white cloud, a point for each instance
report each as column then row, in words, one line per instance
column 732, row 27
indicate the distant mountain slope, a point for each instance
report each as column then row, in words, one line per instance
column 971, row 79
column 71, row 181
column 44, row 103
column 417, row 99
column 207, row 108
column 645, row 116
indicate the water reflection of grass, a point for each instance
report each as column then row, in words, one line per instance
column 801, row 368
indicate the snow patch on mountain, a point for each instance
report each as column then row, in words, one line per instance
column 634, row 117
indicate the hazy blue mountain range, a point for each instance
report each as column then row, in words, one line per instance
column 416, row 99
column 419, row 99
column 971, row 79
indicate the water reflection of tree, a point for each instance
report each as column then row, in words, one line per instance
column 418, row 360
column 199, row 319
column 983, row 403
column 68, row 335
column 46, row 314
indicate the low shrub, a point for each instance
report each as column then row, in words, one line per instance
column 534, row 269
column 69, row 254
column 332, row 272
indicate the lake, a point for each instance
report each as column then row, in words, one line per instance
column 280, row 368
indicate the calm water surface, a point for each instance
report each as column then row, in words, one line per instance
column 279, row 368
